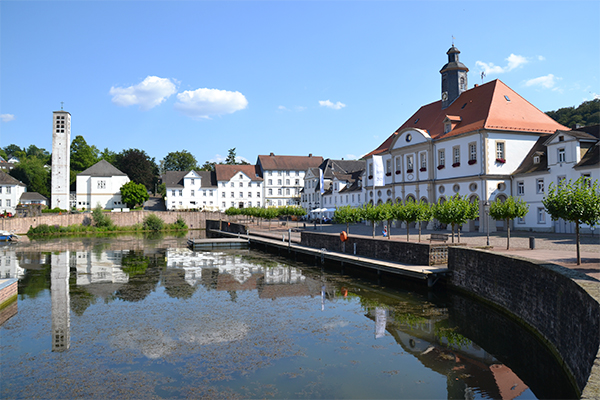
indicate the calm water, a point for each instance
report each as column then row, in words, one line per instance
column 137, row 318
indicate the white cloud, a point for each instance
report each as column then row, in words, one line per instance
column 513, row 61
column 147, row 94
column 202, row 103
column 282, row 108
column 547, row 81
column 350, row 157
column 329, row 104
column 7, row 117
column 541, row 58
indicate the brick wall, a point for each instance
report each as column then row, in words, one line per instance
column 559, row 303
column 194, row 220
column 378, row 248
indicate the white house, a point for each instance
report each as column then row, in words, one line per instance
column 284, row 177
column 342, row 186
column 189, row 190
column 468, row 143
column 100, row 184
column 563, row 155
column 239, row 186
column 34, row 198
column 11, row 191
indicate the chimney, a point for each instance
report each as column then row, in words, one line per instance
column 310, row 154
column 271, row 154
column 475, row 85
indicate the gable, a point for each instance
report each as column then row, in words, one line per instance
column 410, row 137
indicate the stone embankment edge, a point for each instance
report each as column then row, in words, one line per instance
column 559, row 305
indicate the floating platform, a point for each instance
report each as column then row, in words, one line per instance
column 207, row 244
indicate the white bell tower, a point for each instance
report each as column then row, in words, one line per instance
column 61, row 159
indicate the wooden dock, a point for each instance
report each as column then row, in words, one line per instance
column 208, row 244
column 427, row 273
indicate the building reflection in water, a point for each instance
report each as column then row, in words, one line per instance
column 9, row 264
column 59, row 293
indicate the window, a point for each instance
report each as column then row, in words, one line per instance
column 0, row 189
column 204, row 193
column 462, row 83
column 500, row 151
column 180, row 192
column 472, row 152
column 297, row 182
column 270, row 181
column 258, row 204
column 410, row 163
column 223, row 194
column 359, row 198
column 423, row 161
column 1, row 203
column 521, row 220
column 278, row 173
column 192, row 193
column 287, row 173
column 232, row 184
column 442, row 157
column 192, row 181
column 270, row 192
column 241, row 194
column 241, row 184
column 520, row 188
column 287, row 192
column 388, row 166
column 539, row 183
column 536, row 159
column 447, row 127
column 232, row 194
column 279, row 182
column 173, row 193
column 370, row 170
column 561, row 155
column 456, row 156
column 258, row 194
column 541, row 215
column 102, row 184
column 287, row 181
column 561, row 138
column 398, row 163
column 279, row 192
column 211, row 193
column 224, row 204
column 7, row 202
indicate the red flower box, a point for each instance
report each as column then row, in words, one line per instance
column 441, row 166
column 370, row 176
column 423, row 169
column 409, row 171
column 397, row 172
column 471, row 162
column 456, row 164
column 500, row 160
column 388, row 174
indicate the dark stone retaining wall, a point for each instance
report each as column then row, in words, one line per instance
column 382, row 249
column 225, row 226
column 560, row 304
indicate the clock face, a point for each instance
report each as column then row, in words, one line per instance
column 445, row 96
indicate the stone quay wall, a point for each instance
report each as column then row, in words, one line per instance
column 193, row 219
column 560, row 304
column 8, row 299
column 381, row 249
column 225, row 226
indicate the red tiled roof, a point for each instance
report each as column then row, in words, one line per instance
column 482, row 107
column 225, row 172
column 289, row 163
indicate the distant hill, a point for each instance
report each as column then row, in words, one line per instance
column 588, row 113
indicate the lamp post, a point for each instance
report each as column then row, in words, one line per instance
column 486, row 207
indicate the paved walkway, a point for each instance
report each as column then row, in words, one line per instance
column 552, row 247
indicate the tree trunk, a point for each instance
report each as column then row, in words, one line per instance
column 577, row 236
column 348, row 228
column 389, row 229
column 407, row 231
column 458, row 232
column 507, row 235
column 452, row 233
column 419, row 222
column 373, row 222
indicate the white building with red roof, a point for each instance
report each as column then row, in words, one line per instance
column 239, row 186
column 469, row 142
column 190, row 190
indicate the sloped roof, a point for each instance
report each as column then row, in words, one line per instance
column 528, row 166
column 6, row 179
column 225, row 172
column 592, row 156
column 174, row 179
column 288, row 163
column 32, row 196
column 102, row 168
column 492, row 106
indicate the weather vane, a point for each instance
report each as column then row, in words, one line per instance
column 453, row 40
column 61, row 105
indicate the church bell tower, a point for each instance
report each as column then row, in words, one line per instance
column 454, row 77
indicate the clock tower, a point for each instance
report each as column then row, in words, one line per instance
column 454, row 77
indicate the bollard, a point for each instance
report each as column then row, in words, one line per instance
column 531, row 243
column 354, row 248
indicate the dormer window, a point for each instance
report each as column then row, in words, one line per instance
column 536, row 159
column 447, row 127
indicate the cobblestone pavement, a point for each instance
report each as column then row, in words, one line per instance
column 552, row 247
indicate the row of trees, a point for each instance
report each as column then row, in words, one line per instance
column 268, row 213
column 587, row 113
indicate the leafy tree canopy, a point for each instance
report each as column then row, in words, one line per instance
column 179, row 161
column 506, row 210
column 232, row 158
column 12, row 150
column 588, row 113
column 31, row 171
column 138, row 166
column 133, row 193
column 83, row 155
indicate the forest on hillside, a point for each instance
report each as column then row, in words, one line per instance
column 588, row 113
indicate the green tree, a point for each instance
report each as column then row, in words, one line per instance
column 133, row 193
column 587, row 113
column 12, row 150
column 152, row 222
column 138, row 166
column 347, row 215
column 109, row 156
column 83, row 155
column 179, row 161
column 100, row 219
column 417, row 212
column 207, row 166
column 232, row 158
column 370, row 213
column 31, row 171
column 506, row 210
column 42, row 154
column 455, row 211
column 577, row 202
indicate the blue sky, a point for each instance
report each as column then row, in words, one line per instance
column 329, row 78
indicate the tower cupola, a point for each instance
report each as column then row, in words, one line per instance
column 454, row 77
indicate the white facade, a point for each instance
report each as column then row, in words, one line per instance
column 10, row 193
column 239, row 190
column 189, row 190
column 283, row 187
column 100, row 185
column 61, row 159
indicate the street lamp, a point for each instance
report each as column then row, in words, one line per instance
column 486, row 207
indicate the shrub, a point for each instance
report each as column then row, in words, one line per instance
column 101, row 220
column 153, row 223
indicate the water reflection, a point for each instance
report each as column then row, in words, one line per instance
column 213, row 318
